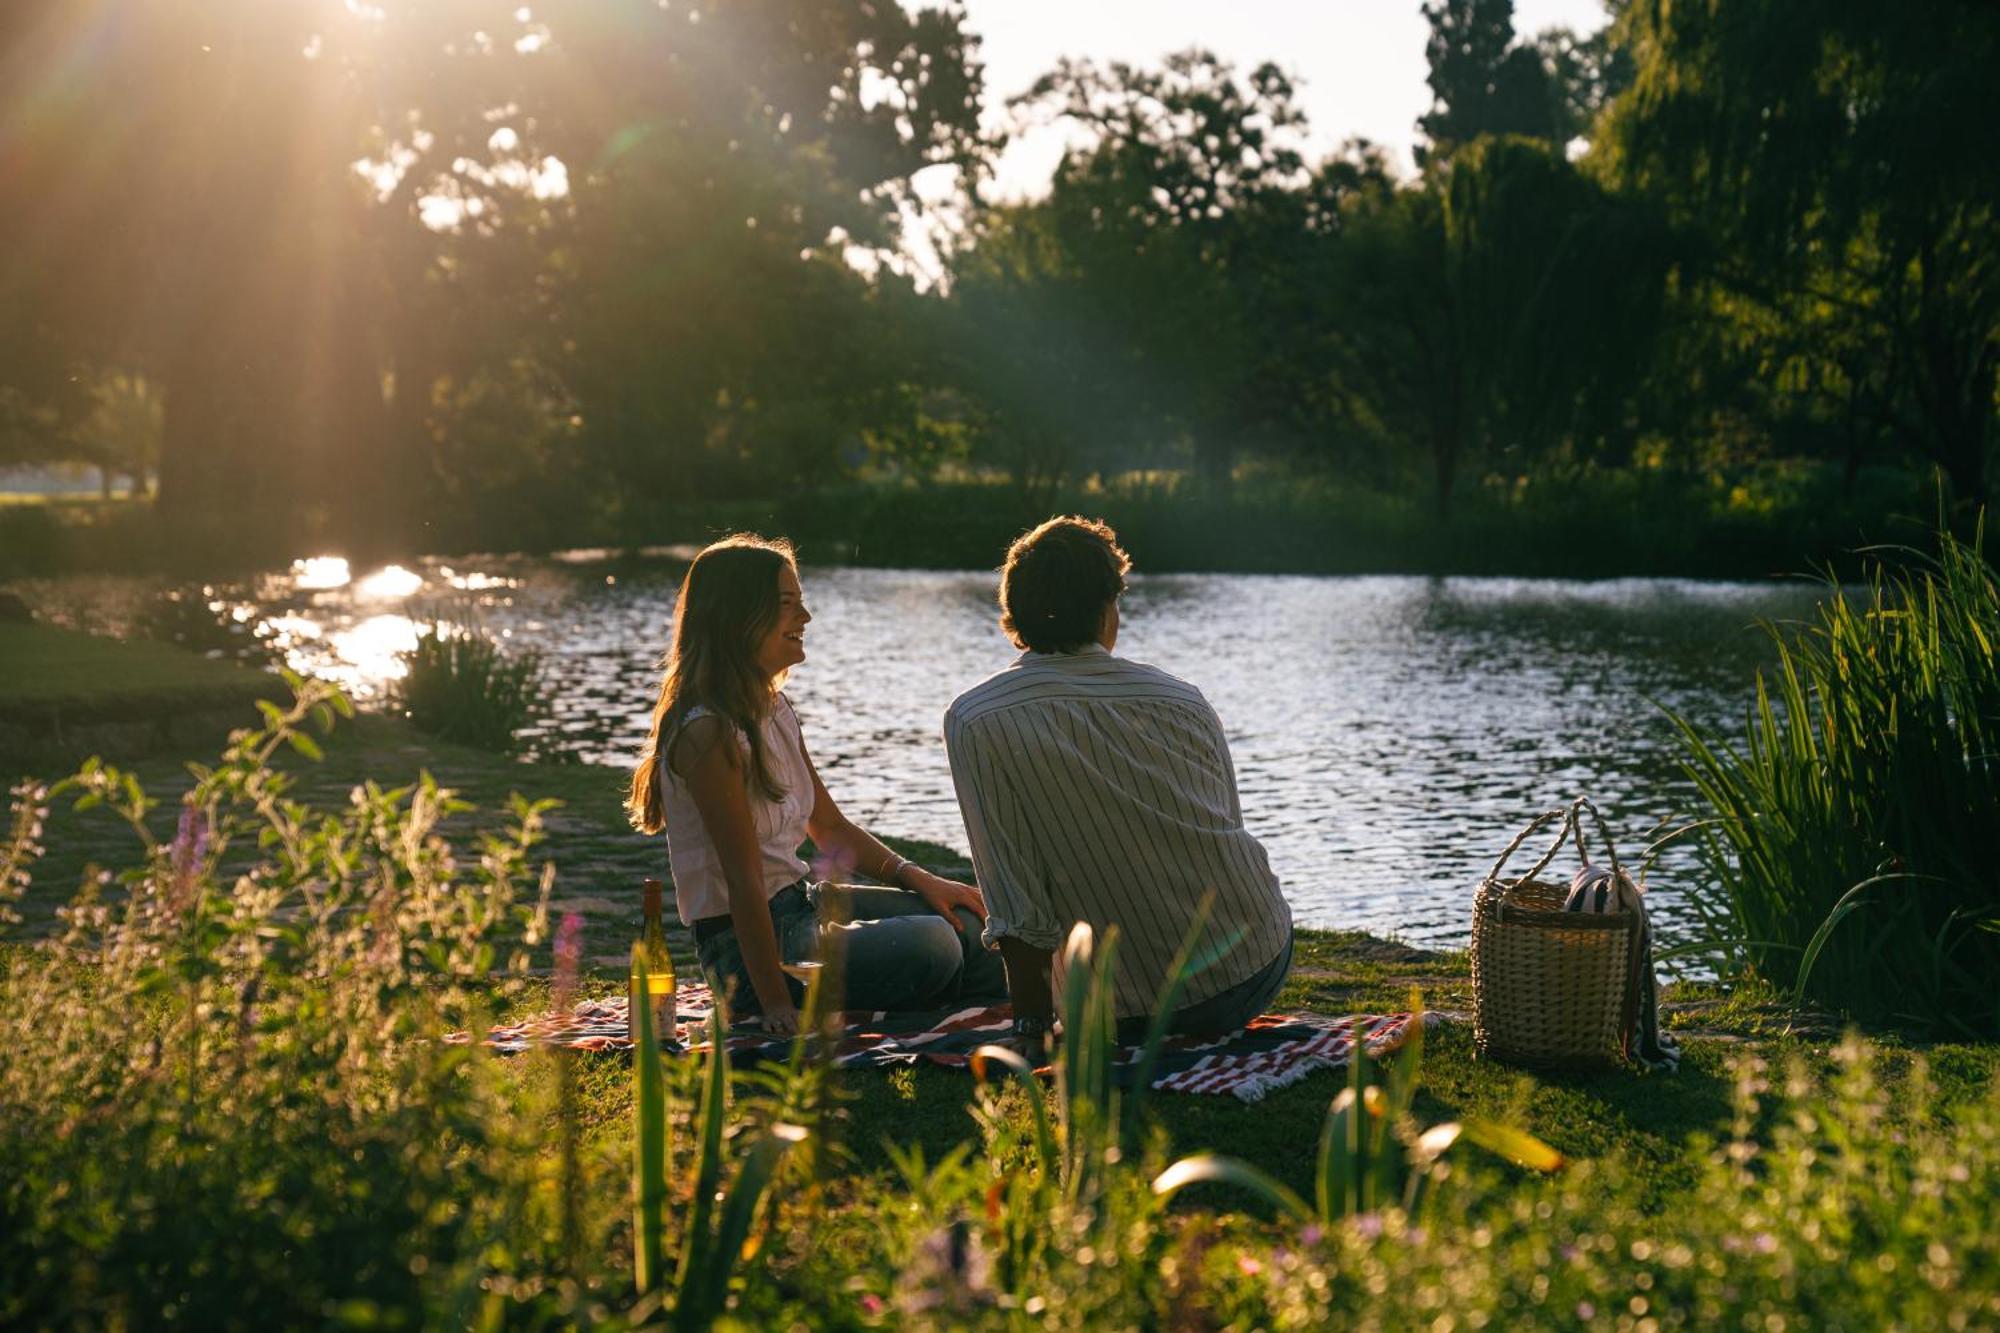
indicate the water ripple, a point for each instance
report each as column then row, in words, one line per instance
column 1390, row 733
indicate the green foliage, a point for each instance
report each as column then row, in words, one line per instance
column 223, row 1100
column 1829, row 158
column 460, row 686
column 1846, row 1208
column 650, row 1142
column 1852, row 845
column 1483, row 82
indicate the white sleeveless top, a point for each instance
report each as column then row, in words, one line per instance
column 700, row 890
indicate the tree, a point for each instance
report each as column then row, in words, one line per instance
column 1507, row 304
column 729, row 157
column 1834, row 157
column 1482, row 82
column 334, row 233
column 1159, row 242
column 1586, row 73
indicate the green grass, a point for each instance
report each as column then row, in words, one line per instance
column 47, row 666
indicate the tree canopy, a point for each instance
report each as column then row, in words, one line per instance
column 462, row 271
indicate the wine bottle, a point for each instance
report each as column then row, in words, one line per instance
column 653, row 980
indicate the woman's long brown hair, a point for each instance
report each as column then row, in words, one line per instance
column 728, row 603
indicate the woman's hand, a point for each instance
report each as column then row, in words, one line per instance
column 943, row 895
column 779, row 1020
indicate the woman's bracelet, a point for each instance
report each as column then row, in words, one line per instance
column 893, row 872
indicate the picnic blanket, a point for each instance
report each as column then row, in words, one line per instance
column 1273, row 1051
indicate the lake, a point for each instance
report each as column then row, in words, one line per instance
column 1390, row 734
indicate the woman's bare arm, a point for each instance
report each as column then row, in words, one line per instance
column 853, row 845
column 707, row 759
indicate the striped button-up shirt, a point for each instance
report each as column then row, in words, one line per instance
column 1101, row 790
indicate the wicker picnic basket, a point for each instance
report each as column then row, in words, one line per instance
column 1551, row 989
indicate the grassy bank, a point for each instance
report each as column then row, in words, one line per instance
column 223, row 1104
column 599, row 864
column 65, row 695
column 1751, row 522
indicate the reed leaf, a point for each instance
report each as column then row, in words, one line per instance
column 1867, row 759
column 1213, row 1168
column 649, row 1143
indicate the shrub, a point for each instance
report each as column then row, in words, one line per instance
column 1852, row 846
column 461, row 687
column 222, row 1100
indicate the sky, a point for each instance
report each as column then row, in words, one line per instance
column 1359, row 63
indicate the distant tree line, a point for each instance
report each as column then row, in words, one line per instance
column 383, row 271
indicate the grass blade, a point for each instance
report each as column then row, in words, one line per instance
column 1212, row 1168
column 649, row 1145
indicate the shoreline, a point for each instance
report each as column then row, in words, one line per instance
column 1608, row 525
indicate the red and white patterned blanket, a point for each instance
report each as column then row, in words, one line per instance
column 1273, row 1051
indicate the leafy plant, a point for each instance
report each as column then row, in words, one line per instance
column 460, row 686
column 222, row 1095
column 714, row 1255
column 1851, row 851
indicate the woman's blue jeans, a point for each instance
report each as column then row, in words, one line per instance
column 894, row 951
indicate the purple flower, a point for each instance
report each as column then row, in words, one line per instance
column 184, row 858
column 190, row 841
column 569, row 956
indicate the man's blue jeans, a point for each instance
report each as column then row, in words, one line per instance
column 895, row 952
column 1223, row 1013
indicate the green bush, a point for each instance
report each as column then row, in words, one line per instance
column 222, row 1103
column 461, row 687
column 1851, row 850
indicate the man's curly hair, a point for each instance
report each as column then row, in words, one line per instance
column 1057, row 583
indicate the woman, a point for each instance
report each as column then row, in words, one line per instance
column 725, row 773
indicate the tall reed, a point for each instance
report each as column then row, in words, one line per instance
column 1851, row 849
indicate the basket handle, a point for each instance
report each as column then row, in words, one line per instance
column 1576, row 808
column 1568, row 817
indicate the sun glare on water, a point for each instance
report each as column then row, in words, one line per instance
column 320, row 572
column 368, row 653
column 389, row 582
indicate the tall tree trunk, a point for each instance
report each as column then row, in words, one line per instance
column 226, row 485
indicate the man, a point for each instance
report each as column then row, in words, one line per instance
column 1101, row 790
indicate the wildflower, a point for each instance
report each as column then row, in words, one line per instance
column 569, row 955
column 1248, row 1266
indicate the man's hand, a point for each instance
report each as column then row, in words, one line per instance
column 943, row 895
